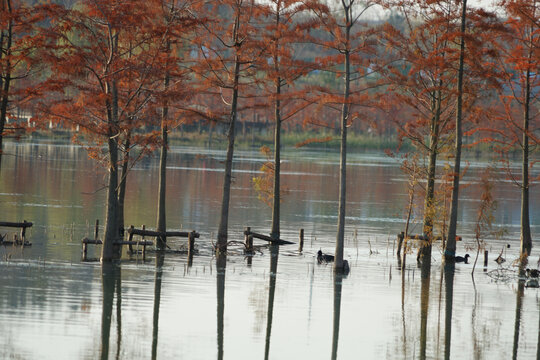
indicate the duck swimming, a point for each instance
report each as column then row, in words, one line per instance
column 324, row 258
column 463, row 259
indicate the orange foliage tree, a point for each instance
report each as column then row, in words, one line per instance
column 350, row 47
column 281, row 66
column 19, row 42
column 517, row 121
column 225, row 70
column 101, row 73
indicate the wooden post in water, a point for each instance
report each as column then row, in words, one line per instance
column 400, row 237
column 191, row 246
column 248, row 240
column 144, row 246
column 485, row 258
column 96, row 230
column 301, row 243
column 23, row 233
column 130, row 238
column 84, row 250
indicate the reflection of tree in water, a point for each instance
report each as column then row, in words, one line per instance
column 111, row 280
column 160, row 258
column 449, row 270
column 517, row 322
column 221, row 265
column 274, row 252
column 424, row 301
column 338, row 283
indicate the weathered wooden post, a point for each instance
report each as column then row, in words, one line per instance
column 84, row 249
column 400, row 237
column 248, row 240
column 96, row 230
column 143, row 250
column 191, row 243
column 485, row 258
column 23, row 233
column 301, row 243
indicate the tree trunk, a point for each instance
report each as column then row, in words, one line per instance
column 340, row 239
column 108, row 251
column 161, row 215
column 450, row 251
column 123, row 183
column 526, row 239
column 429, row 204
column 224, row 218
column 277, row 145
column 5, row 78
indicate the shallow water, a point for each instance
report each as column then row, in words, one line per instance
column 282, row 306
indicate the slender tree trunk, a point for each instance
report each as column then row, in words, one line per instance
column 277, row 144
column 5, row 77
column 340, row 239
column 429, row 204
column 108, row 251
column 526, row 239
column 224, row 218
column 450, row 251
column 123, row 183
column 161, row 215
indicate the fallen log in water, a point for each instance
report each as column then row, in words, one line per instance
column 144, row 232
column 248, row 232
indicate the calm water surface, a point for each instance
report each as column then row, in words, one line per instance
column 281, row 306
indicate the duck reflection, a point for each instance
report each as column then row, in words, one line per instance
column 160, row 259
column 274, row 254
column 221, row 264
column 338, row 283
column 111, row 280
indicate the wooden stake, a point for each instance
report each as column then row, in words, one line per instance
column 485, row 258
column 96, row 230
column 248, row 240
column 191, row 243
column 130, row 238
column 301, row 244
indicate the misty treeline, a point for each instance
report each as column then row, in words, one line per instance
column 438, row 74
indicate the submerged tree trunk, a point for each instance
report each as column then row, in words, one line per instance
column 123, row 183
column 161, row 215
column 450, row 251
column 526, row 239
column 274, row 233
column 429, row 204
column 108, row 251
column 224, row 218
column 5, row 78
column 340, row 239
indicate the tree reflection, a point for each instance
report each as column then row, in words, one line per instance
column 221, row 264
column 424, row 300
column 449, row 271
column 519, row 303
column 274, row 254
column 160, row 259
column 338, row 282
column 110, row 278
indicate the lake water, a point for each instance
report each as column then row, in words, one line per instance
column 281, row 306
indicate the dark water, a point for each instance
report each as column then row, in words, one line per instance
column 282, row 306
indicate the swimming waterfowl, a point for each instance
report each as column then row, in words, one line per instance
column 464, row 259
column 324, row 257
column 499, row 260
column 532, row 273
